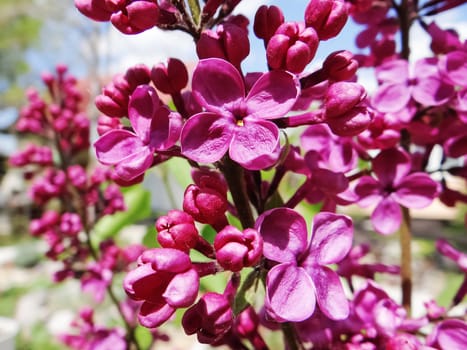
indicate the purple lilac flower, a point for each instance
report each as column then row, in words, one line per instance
column 393, row 186
column 301, row 277
column 234, row 122
column 449, row 335
column 155, row 127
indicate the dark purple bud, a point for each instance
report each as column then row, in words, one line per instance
column 170, row 78
column 94, row 9
column 236, row 249
column 327, row 17
column 340, row 65
column 136, row 17
column 137, row 75
column 177, row 230
column 267, row 20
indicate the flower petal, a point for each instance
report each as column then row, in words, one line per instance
column 391, row 97
column 206, row 137
column 416, row 190
column 135, row 164
column 368, row 191
column 391, row 166
column 116, row 145
column 255, row 145
column 216, row 82
column 284, row 234
column 182, row 289
column 273, row 95
column 387, row 216
column 432, row 91
column 331, row 237
column 142, row 106
column 167, row 259
column 289, row 293
column 329, row 293
column 153, row 315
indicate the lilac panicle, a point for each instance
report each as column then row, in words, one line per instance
column 301, row 277
column 155, row 127
column 234, row 122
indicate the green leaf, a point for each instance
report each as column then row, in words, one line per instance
column 138, row 203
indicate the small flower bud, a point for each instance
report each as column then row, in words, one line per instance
column 94, row 9
column 340, row 65
column 136, row 17
column 137, row 75
column 327, row 17
column 236, row 250
column 267, row 20
column 205, row 205
column 341, row 97
column 177, row 230
column 170, row 79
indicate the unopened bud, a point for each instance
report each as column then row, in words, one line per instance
column 177, row 230
column 170, row 78
column 267, row 20
column 340, row 65
column 341, row 97
column 327, row 17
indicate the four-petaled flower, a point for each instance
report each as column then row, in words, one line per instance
column 301, row 277
column 234, row 123
column 155, row 127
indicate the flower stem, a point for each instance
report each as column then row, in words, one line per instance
column 405, row 238
column 235, row 177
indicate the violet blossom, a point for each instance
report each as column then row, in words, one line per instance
column 392, row 187
column 301, row 277
column 155, row 127
column 234, row 123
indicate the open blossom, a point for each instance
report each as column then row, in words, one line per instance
column 164, row 280
column 234, row 123
column 394, row 186
column 301, row 277
column 155, row 127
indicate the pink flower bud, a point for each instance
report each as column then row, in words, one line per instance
column 170, row 79
column 340, row 65
column 106, row 123
column 236, row 250
column 341, row 97
column 229, row 42
column 136, row 17
column 70, row 224
column 177, row 230
column 327, row 17
column 292, row 47
column 210, row 318
column 77, row 176
column 94, row 9
column 267, row 20
column 137, row 75
column 351, row 123
column 204, row 204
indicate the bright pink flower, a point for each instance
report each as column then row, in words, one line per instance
column 233, row 122
column 302, row 278
column 449, row 335
column 394, row 186
column 425, row 86
column 164, row 280
column 155, row 127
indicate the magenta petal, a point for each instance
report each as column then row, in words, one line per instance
column 182, row 289
column 255, row 145
column 391, row 165
column 289, row 293
column 368, row 191
column 432, row 91
column 167, row 259
column 165, row 129
column 135, row 164
column 416, row 190
column 332, row 237
column 454, row 66
column 391, row 98
column 284, row 234
column 206, row 137
column 330, row 294
column 216, row 82
column 153, row 315
column 273, row 95
column 393, row 71
column 143, row 283
column 387, row 216
column 116, row 145
column 141, row 109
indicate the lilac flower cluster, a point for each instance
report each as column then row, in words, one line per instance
column 246, row 138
